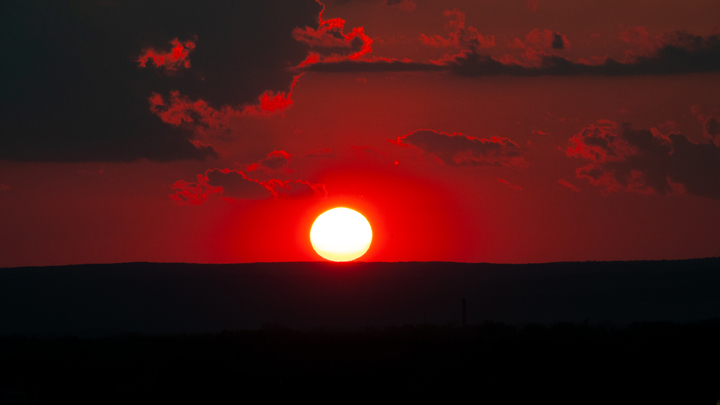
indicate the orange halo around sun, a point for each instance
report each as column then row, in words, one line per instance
column 341, row 234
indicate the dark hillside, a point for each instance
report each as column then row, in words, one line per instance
column 101, row 300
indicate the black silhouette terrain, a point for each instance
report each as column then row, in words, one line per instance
column 594, row 332
column 101, row 300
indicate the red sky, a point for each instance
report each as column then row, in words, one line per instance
column 473, row 131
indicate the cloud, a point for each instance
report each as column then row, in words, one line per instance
column 681, row 54
column 373, row 66
column 645, row 161
column 711, row 125
column 404, row 5
column 367, row 150
column 193, row 193
column 3, row 187
column 702, row 54
column 328, row 42
column 568, row 185
column 507, row 183
column 537, row 45
column 231, row 184
column 319, row 152
column 176, row 58
column 461, row 150
column 637, row 35
column 458, row 35
column 559, row 42
column 546, row 39
column 296, row 189
column 200, row 118
column 277, row 161
column 531, row 5
column 89, row 101
column 234, row 185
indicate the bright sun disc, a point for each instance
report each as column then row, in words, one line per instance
column 341, row 235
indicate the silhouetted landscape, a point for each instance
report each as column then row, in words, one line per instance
column 152, row 298
column 592, row 332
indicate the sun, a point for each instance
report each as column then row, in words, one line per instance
column 341, row 234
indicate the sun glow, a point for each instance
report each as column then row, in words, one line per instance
column 341, row 235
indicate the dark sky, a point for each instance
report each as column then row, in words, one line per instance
column 475, row 131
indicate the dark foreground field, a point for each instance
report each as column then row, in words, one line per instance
column 644, row 363
column 580, row 333
column 103, row 300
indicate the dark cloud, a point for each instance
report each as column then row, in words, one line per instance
column 277, row 161
column 712, row 127
column 296, row 189
column 405, row 5
column 74, row 88
column 623, row 159
column 683, row 54
column 507, row 183
column 461, row 150
column 537, row 45
column 193, row 193
column 234, row 185
column 702, row 55
column 373, row 66
column 320, row 152
column 459, row 36
column 545, row 39
column 367, row 150
column 568, row 185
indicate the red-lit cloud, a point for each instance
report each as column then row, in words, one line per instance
column 404, row 5
column 277, row 161
column 546, row 39
column 681, row 53
column 296, row 189
column 638, row 36
column 537, row 45
column 568, row 185
column 235, row 184
column 458, row 35
column 462, row 150
column 4, row 187
column 623, row 159
column 319, row 152
column 367, row 150
column 180, row 110
column 193, row 193
column 226, row 182
column 507, row 183
column 177, row 57
column 711, row 125
column 330, row 44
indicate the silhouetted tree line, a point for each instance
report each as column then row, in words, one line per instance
column 491, row 363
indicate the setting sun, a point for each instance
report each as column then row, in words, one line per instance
column 341, row 235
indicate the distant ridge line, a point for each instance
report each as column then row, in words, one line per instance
column 323, row 262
